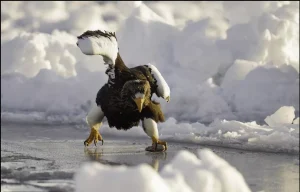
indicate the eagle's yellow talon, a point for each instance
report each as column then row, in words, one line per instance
column 154, row 147
column 94, row 136
column 163, row 143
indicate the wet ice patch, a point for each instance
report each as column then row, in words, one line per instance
column 22, row 187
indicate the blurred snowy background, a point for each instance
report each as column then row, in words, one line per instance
column 230, row 65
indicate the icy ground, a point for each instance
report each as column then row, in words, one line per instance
column 279, row 133
column 45, row 158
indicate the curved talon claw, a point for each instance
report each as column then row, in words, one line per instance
column 155, row 148
column 168, row 99
column 165, row 145
column 94, row 136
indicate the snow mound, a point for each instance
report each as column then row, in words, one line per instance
column 149, row 35
column 284, row 115
column 184, row 173
column 50, row 94
column 33, row 52
column 235, row 134
column 56, row 52
column 236, row 73
column 211, row 173
column 65, row 16
column 263, row 91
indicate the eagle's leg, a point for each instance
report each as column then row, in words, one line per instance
column 150, row 128
column 94, row 121
column 94, row 135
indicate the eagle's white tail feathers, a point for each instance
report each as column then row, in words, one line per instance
column 99, row 43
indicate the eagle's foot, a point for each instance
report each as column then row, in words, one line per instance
column 94, row 136
column 157, row 146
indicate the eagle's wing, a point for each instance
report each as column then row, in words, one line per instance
column 158, row 84
column 99, row 43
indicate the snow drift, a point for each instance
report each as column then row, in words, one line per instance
column 224, row 68
column 184, row 173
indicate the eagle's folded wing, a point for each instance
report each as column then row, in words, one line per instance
column 162, row 90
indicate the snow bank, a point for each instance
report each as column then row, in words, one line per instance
column 262, row 91
column 184, row 173
column 296, row 121
column 247, row 136
column 66, row 16
column 284, row 115
column 238, row 66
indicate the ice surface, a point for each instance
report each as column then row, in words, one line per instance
column 184, row 173
column 229, row 65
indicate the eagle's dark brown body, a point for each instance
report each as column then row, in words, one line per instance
column 121, row 112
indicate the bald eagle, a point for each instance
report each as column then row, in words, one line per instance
column 125, row 99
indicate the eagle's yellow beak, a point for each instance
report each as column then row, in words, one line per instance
column 139, row 103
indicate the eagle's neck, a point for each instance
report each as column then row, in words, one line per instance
column 114, row 71
column 119, row 64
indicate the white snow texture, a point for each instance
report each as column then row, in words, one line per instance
column 229, row 66
column 185, row 173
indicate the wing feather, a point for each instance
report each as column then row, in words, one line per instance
column 99, row 43
column 163, row 89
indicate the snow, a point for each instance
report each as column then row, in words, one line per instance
column 229, row 66
column 284, row 115
column 296, row 121
column 235, row 134
column 184, row 173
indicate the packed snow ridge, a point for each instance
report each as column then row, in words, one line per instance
column 185, row 173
